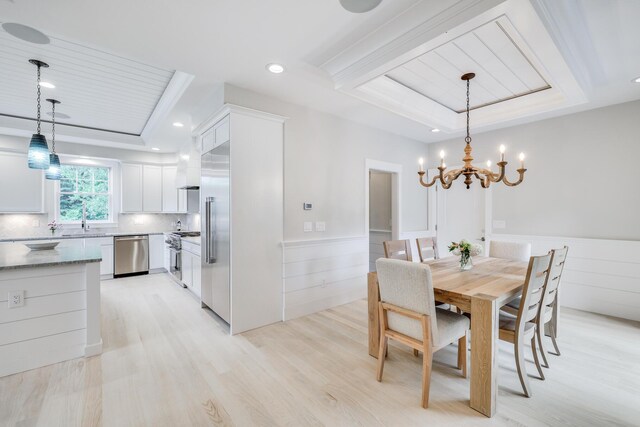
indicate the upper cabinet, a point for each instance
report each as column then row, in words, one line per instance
column 218, row 134
column 152, row 188
column 22, row 188
column 149, row 188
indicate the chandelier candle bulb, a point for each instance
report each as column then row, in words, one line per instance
column 521, row 160
column 421, row 162
column 502, row 150
column 488, row 164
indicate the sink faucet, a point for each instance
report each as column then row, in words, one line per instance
column 84, row 224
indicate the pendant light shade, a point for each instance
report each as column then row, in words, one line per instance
column 38, row 156
column 53, row 171
column 54, row 167
column 38, row 152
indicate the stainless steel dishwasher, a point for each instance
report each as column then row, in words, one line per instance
column 131, row 255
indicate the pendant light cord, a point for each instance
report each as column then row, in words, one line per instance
column 53, row 127
column 468, row 138
column 38, row 99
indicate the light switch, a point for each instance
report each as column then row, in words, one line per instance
column 320, row 226
column 308, row 226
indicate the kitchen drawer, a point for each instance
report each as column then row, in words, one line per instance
column 194, row 248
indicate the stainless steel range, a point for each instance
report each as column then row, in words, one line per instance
column 174, row 241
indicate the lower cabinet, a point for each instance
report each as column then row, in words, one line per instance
column 191, row 266
column 156, row 252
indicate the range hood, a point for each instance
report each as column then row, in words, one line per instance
column 189, row 187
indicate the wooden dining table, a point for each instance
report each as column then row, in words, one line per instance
column 481, row 291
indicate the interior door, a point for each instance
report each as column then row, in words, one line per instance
column 460, row 214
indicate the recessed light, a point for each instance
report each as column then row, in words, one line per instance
column 155, row 149
column 178, row 124
column 185, row 157
column 275, row 68
column 48, row 85
column 637, row 80
column 435, row 130
column 25, row 33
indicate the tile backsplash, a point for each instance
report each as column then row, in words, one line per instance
column 25, row 225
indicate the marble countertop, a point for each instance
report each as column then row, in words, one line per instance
column 16, row 255
column 89, row 235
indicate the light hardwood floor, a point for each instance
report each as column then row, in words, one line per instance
column 166, row 362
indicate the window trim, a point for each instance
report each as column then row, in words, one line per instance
column 113, row 193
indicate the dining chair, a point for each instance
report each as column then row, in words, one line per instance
column 427, row 248
column 408, row 315
column 517, row 251
column 549, row 306
column 397, row 249
column 517, row 329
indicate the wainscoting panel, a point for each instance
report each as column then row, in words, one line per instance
column 601, row 276
column 376, row 250
column 324, row 273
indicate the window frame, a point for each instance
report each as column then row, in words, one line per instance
column 113, row 194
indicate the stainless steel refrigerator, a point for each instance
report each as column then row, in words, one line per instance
column 215, row 232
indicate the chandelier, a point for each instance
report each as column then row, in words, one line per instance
column 485, row 176
column 38, row 154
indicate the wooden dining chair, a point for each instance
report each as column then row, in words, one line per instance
column 397, row 249
column 427, row 248
column 517, row 329
column 517, row 251
column 549, row 306
column 408, row 315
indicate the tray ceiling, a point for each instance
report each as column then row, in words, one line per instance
column 97, row 89
column 503, row 72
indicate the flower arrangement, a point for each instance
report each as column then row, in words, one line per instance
column 465, row 250
column 53, row 226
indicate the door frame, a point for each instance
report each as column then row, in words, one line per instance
column 433, row 206
column 395, row 170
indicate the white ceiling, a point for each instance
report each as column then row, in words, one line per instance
column 97, row 89
column 231, row 41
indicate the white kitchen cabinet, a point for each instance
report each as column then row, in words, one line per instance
column 106, row 265
column 208, row 140
column 197, row 274
column 156, row 251
column 187, row 268
column 151, row 188
column 131, row 187
column 22, row 188
column 222, row 131
column 169, row 189
column 191, row 273
column 167, row 257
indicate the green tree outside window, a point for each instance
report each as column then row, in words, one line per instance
column 84, row 184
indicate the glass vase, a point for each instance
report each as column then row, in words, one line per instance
column 466, row 262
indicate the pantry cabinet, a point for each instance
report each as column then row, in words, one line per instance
column 149, row 188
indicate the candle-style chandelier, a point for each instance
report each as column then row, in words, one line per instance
column 485, row 176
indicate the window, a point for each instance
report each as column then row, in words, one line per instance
column 88, row 184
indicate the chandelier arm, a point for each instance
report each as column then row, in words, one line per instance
column 520, row 179
column 486, row 180
column 449, row 177
column 424, row 184
column 497, row 177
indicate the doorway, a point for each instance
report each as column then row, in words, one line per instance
column 382, row 210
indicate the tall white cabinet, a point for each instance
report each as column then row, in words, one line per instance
column 256, row 144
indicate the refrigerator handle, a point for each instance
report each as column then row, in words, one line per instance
column 210, row 230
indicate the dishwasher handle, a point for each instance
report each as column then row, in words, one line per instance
column 121, row 239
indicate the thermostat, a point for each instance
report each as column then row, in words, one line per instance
column 307, row 206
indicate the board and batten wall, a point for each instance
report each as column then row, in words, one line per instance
column 324, row 164
column 580, row 190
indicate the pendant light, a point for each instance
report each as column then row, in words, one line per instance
column 38, row 156
column 54, row 161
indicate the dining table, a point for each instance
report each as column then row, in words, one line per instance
column 480, row 291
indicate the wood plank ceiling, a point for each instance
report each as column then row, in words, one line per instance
column 97, row 89
column 502, row 70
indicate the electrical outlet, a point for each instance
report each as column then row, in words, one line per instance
column 16, row 299
column 321, row 226
column 308, row 226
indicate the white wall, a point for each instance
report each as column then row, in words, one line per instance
column 581, row 179
column 324, row 159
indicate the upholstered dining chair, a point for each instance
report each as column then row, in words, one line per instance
column 397, row 249
column 517, row 329
column 549, row 306
column 427, row 248
column 408, row 315
column 510, row 250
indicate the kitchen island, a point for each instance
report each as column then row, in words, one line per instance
column 49, row 305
